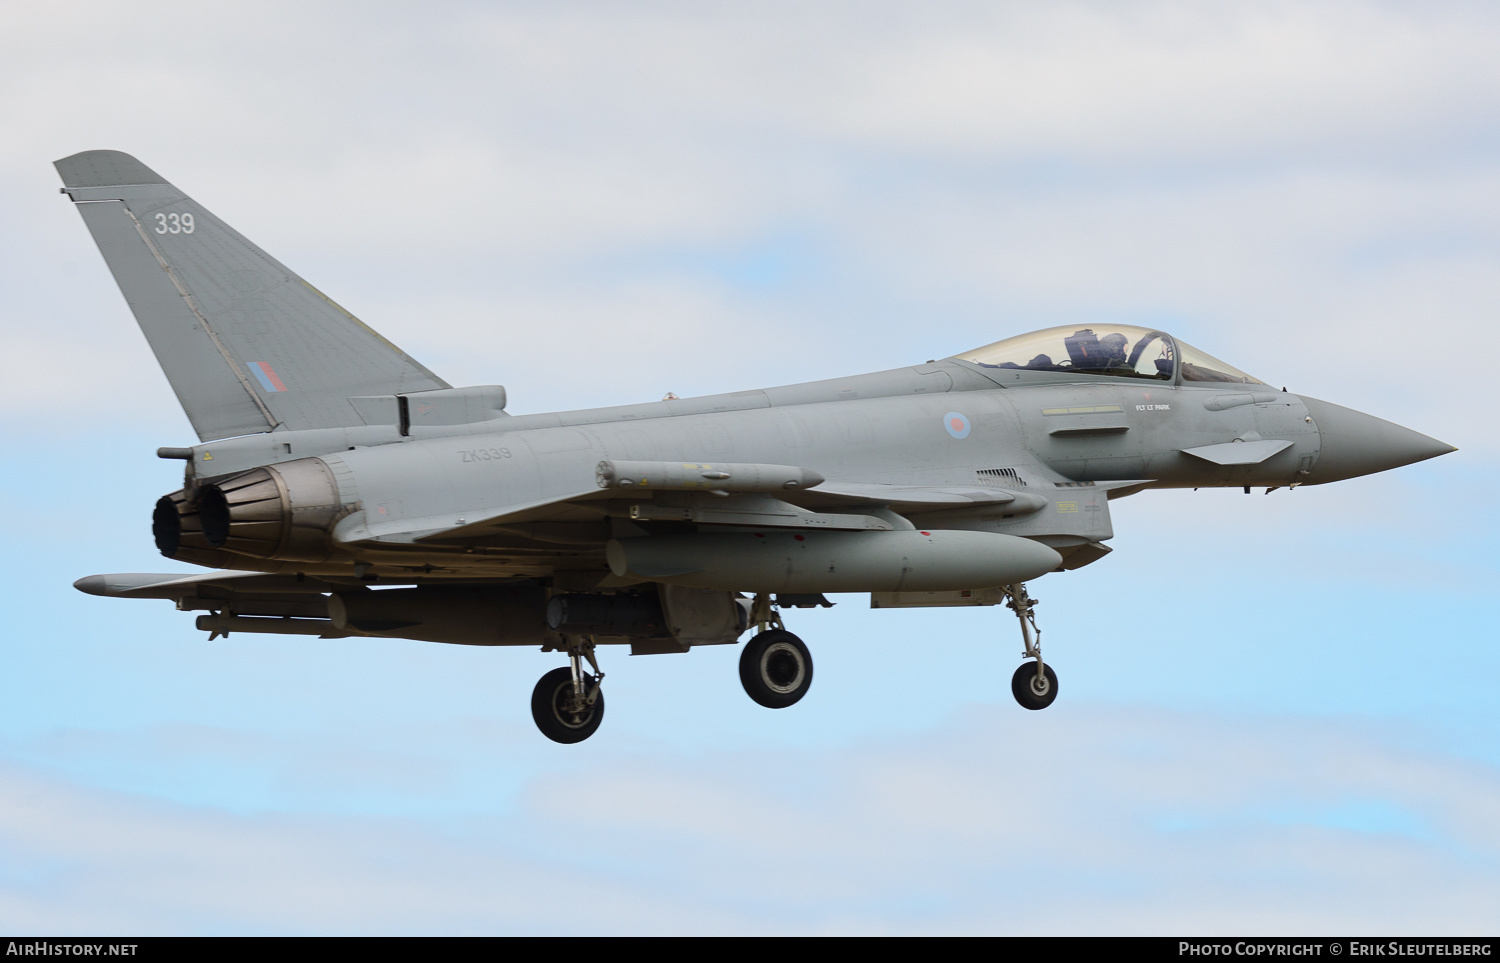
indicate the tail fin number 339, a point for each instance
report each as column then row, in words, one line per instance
column 174, row 223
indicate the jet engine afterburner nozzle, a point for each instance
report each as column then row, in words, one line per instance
column 177, row 529
column 166, row 526
column 279, row 511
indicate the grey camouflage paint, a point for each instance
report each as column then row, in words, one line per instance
column 386, row 474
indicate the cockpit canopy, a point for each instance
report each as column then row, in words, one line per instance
column 1115, row 350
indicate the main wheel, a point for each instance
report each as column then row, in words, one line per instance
column 1024, row 686
column 776, row 669
column 559, row 713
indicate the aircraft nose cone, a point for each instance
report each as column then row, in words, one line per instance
column 1354, row 443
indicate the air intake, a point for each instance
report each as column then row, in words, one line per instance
column 1004, row 477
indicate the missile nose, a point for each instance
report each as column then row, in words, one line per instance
column 1354, row 443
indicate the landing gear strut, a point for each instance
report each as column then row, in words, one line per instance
column 1035, row 687
column 567, row 703
column 775, row 668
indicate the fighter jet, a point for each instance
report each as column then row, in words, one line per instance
column 339, row 488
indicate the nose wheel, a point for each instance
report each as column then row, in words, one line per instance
column 1035, row 684
column 1031, row 690
column 567, row 704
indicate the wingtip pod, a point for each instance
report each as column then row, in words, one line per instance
column 93, row 585
column 121, row 585
column 104, row 168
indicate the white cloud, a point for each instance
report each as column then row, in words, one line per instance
column 1106, row 83
column 1276, row 176
column 525, row 194
column 1074, row 821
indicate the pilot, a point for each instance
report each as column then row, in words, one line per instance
column 1113, row 351
column 1040, row 363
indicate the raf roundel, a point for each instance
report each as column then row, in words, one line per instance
column 957, row 424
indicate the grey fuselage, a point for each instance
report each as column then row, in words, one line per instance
column 348, row 490
column 1060, row 439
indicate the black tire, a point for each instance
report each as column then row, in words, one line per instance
column 1023, row 686
column 550, row 707
column 776, row 669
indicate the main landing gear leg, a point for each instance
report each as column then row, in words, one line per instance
column 1033, row 686
column 775, row 667
column 567, row 703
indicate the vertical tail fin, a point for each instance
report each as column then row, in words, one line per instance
column 247, row 345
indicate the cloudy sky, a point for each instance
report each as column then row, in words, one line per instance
column 1277, row 713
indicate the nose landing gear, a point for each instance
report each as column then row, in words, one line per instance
column 1035, row 687
column 775, row 667
column 1032, row 691
column 567, row 703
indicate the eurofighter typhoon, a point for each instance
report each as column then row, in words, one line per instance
column 339, row 488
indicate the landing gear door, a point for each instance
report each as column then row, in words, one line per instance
column 701, row 616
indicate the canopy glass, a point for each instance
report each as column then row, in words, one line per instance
column 1117, row 351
